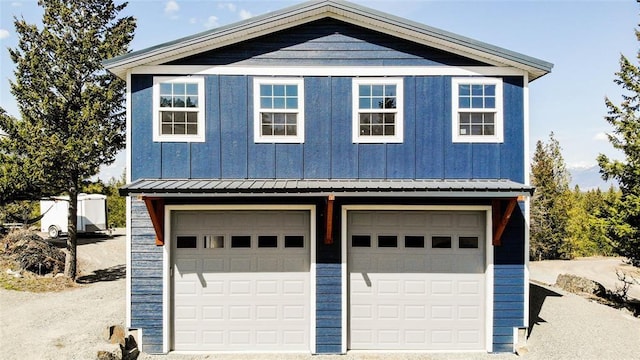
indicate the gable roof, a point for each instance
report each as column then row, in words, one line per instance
column 337, row 9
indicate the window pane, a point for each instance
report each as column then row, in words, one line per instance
column 179, row 129
column 389, row 118
column 292, row 241
column 291, row 119
column 477, row 103
column 464, row 102
column 165, row 101
column 267, row 241
column 166, row 89
column 377, row 130
column 476, row 118
column 266, row 90
column 489, row 130
column 179, row 88
column 476, row 129
column 377, row 90
column 365, row 90
column 214, row 241
column 414, row 241
column 365, row 119
column 240, row 241
column 192, row 101
column 292, row 90
column 292, row 130
column 389, row 130
column 390, row 91
column 365, row 130
column 468, row 242
column 477, row 90
column 292, row 103
column 167, row 129
column 179, row 102
column 278, row 90
column 279, row 118
column 187, row 242
column 377, row 103
column 278, row 130
column 489, row 90
column 266, row 103
column 377, row 118
column 361, row 241
column 192, row 89
column 267, row 118
column 278, row 103
column 192, row 117
column 365, row 103
column 192, row 129
column 490, row 102
column 441, row 242
column 267, row 130
column 387, row 241
column 390, row 103
column 464, row 89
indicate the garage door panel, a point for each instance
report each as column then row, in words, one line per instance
column 412, row 296
column 253, row 298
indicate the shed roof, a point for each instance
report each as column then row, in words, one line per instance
column 337, row 9
column 323, row 187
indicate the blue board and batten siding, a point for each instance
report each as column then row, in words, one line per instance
column 509, row 283
column 146, row 279
column 229, row 150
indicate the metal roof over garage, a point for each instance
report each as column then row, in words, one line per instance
column 323, row 187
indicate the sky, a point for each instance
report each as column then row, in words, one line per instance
column 583, row 39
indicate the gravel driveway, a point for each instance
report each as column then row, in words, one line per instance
column 69, row 324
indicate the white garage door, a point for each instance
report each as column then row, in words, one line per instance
column 416, row 280
column 241, row 280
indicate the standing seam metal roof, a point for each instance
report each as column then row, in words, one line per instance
column 241, row 187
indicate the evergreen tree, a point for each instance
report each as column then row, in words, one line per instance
column 625, row 119
column 550, row 202
column 72, row 113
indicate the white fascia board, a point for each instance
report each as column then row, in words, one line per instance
column 348, row 71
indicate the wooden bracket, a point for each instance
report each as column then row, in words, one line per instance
column 500, row 219
column 328, row 228
column 155, row 207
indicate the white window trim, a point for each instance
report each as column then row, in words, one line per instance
column 499, row 117
column 399, row 131
column 157, row 135
column 257, row 126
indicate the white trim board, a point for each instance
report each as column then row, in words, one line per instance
column 166, row 263
column 488, row 259
column 347, row 71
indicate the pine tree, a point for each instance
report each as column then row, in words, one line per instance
column 72, row 115
column 625, row 119
column 550, row 203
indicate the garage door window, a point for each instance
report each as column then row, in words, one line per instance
column 387, row 241
column 294, row 241
column 267, row 241
column 361, row 241
column 468, row 242
column 186, row 242
column 214, row 241
column 441, row 242
column 414, row 241
column 240, row 241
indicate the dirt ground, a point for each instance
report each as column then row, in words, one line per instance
column 68, row 324
column 600, row 269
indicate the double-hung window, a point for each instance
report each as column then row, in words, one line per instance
column 477, row 110
column 178, row 104
column 278, row 110
column 377, row 110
